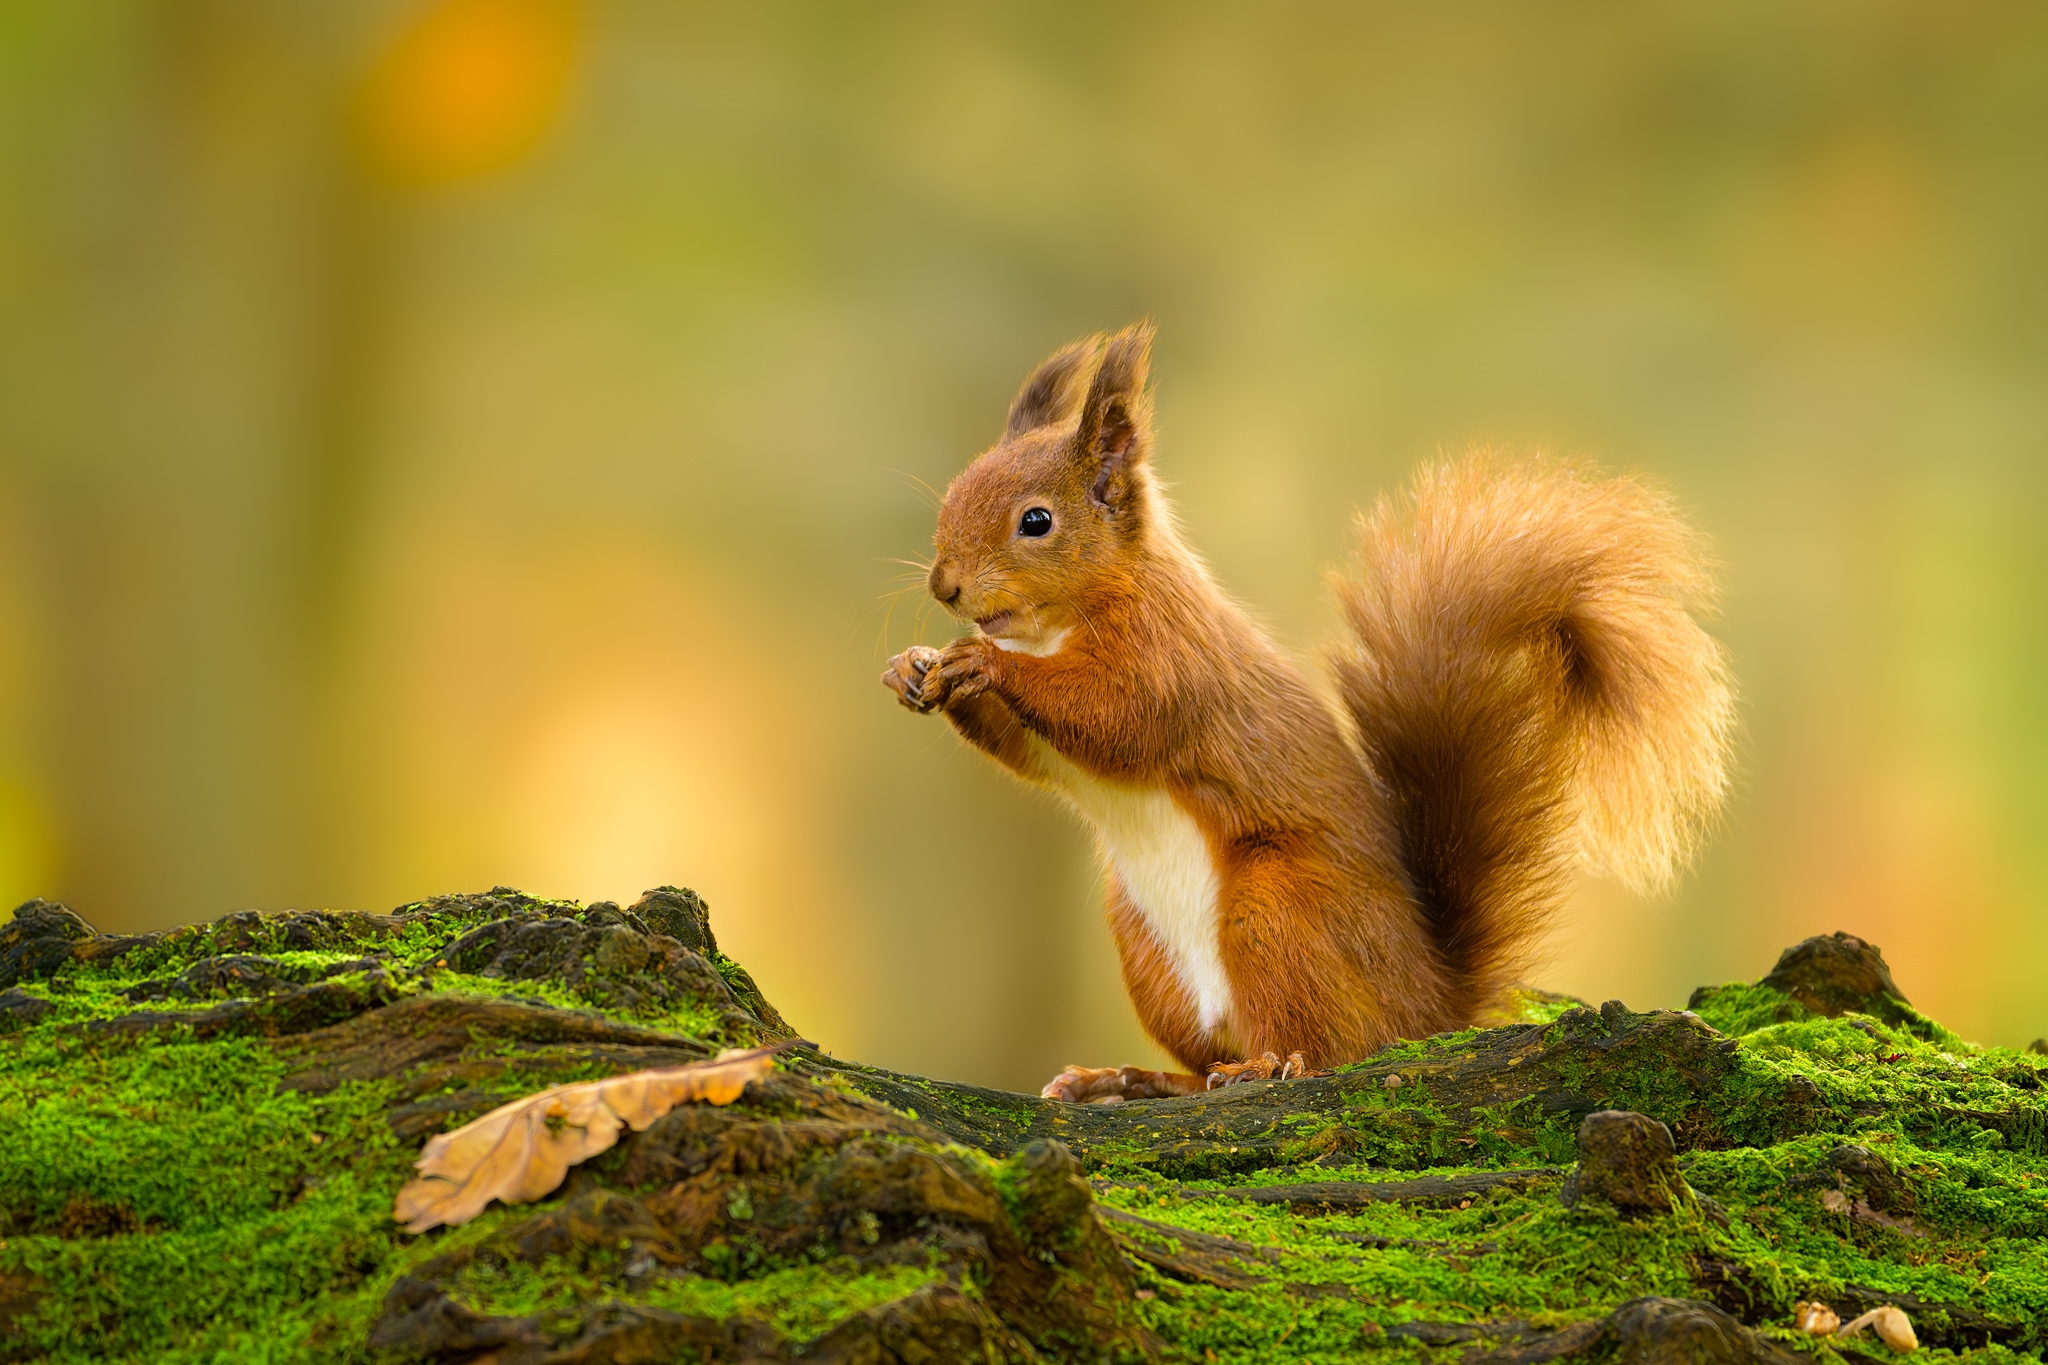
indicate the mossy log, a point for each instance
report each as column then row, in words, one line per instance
column 202, row 1131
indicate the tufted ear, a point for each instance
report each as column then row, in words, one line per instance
column 1116, row 418
column 1054, row 389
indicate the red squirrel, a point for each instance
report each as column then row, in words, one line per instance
column 1526, row 692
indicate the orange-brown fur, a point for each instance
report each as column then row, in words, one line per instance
column 1526, row 691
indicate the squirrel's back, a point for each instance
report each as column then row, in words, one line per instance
column 1533, row 694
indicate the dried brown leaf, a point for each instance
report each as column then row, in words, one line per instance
column 522, row 1150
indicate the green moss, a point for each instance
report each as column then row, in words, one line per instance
column 174, row 1205
column 165, row 1192
column 169, row 1202
column 690, row 1022
column 1856, row 1066
column 1976, row 1235
column 801, row 1302
column 1418, row 1049
column 83, row 992
column 1961, row 1127
column 84, row 996
column 1527, row 1006
column 1741, row 1007
column 1523, row 1256
column 735, row 976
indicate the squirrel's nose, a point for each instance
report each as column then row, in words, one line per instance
column 945, row 584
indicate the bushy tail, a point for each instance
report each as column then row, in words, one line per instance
column 1534, row 695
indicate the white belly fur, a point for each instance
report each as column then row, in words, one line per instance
column 1160, row 857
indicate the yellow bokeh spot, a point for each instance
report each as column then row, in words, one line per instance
column 468, row 88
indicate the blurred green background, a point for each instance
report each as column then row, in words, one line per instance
column 460, row 442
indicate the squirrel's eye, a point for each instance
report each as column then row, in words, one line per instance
column 1035, row 522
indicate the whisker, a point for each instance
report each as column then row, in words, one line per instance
column 892, row 597
column 924, row 489
column 924, row 609
column 887, row 610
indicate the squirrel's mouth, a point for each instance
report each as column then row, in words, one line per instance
column 994, row 625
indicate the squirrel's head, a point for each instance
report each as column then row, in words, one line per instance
column 1060, row 503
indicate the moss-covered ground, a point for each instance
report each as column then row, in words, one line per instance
column 173, row 1188
column 1960, row 1125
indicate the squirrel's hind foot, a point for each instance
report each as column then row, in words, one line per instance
column 1265, row 1067
column 1115, row 1084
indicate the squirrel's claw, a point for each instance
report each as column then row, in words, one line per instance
column 926, row 679
column 1265, row 1067
column 906, row 674
column 1259, row 1068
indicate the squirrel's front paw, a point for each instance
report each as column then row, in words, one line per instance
column 906, row 673
column 966, row 668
